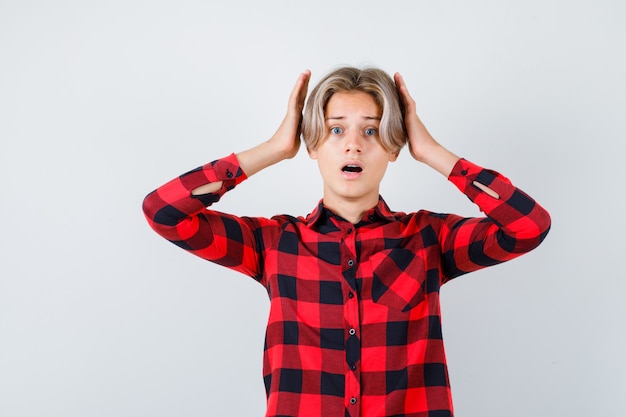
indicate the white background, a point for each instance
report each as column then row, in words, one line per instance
column 101, row 102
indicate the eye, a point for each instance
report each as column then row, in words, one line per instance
column 370, row 131
column 336, row 130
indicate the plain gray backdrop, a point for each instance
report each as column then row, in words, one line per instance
column 101, row 102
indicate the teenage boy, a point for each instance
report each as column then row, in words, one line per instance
column 354, row 326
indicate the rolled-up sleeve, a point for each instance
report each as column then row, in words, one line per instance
column 514, row 224
column 183, row 219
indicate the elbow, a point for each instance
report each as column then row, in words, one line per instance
column 161, row 215
column 544, row 224
column 158, row 213
column 149, row 206
column 152, row 207
column 536, row 227
column 537, row 234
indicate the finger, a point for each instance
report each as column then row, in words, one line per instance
column 401, row 86
column 305, row 87
column 298, row 94
column 407, row 100
column 397, row 77
column 295, row 91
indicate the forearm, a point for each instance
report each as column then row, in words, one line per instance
column 515, row 222
column 515, row 213
column 172, row 202
column 251, row 161
column 284, row 144
column 260, row 157
column 438, row 158
column 184, row 219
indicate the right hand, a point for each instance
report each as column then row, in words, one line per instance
column 287, row 137
column 284, row 144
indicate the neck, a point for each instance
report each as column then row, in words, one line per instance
column 349, row 209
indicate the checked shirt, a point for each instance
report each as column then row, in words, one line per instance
column 354, row 325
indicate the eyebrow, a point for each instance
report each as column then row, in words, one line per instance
column 343, row 117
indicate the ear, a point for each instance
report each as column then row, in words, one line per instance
column 312, row 153
column 393, row 156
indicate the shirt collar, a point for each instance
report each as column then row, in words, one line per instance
column 322, row 215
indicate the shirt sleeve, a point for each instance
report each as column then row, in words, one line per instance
column 184, row 219
column 514, row 224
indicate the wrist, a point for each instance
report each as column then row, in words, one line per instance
column 280, row 148
column 440, row 159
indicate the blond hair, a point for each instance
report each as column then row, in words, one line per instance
column 372, row 81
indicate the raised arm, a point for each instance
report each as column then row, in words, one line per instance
column 284, row 144
column 178, row 209
column 515, row 222
column 423, row 147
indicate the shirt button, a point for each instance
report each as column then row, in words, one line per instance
column 229, row 174
column 349, row 231
column 352, row 332
column 350, row 295
column 353, row 367
column 464, row 172
column 372, row 217
column 350, row 263
column 353, row 400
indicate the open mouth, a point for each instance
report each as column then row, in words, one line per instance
column 352, row 168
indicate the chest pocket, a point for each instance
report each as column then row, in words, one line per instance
column 395, row 278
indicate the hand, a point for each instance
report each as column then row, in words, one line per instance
column 419, row 138
column 285, row 142
column 422, row 146
column 287, row 137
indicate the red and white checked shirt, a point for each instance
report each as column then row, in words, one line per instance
column 354, row 325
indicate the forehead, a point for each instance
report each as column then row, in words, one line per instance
column 352, row 103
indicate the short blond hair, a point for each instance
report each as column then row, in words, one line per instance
column 372, row 81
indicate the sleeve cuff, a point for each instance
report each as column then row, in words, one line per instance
column 226, row 170
column 464, row 173
column 463, row 169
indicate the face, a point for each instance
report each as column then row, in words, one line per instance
column 350, row 157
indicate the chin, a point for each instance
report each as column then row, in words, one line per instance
column 355, row 195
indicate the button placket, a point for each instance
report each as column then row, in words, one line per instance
column 352, row 319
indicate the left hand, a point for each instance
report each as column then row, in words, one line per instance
column 422, row 146
column 419, row 138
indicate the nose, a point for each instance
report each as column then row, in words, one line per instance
column 353, row 143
